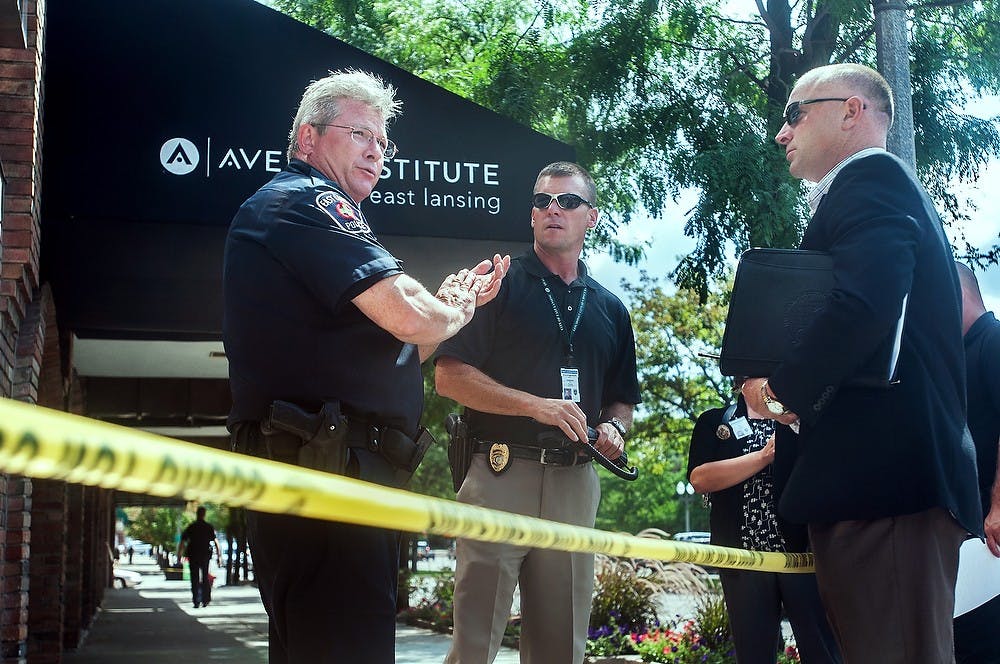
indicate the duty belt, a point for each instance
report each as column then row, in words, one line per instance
column 499, row 453
column 393, row 445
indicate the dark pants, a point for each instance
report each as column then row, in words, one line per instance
column 329, row 588
column 201, row 588
column 977, row 634
column 889, row 586
column 754, row 601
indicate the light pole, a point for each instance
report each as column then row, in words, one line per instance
column 686, row 493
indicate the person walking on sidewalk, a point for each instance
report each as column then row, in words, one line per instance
column 197, row 540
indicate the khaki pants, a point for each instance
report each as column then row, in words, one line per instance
column 556, row 587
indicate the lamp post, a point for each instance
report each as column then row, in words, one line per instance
column 686, row 493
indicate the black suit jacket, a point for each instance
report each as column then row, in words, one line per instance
column 868, row 453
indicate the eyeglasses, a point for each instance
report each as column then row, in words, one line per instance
column 542, row 201
column 793, row 113
column 365, row 137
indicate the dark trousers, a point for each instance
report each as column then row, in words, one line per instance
column 889, row 586
column 977, row 634
column 329, row 588
column 201, row 588
column 754, row 601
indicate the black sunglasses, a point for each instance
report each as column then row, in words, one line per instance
column 566, row 201
column 793, row 112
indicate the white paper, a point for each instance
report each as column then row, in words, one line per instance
column 978, row 576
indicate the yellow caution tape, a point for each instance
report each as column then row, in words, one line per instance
column 48, row 444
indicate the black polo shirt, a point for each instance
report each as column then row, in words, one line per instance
column 516, row 340
column 297, row 252
column 982, row 360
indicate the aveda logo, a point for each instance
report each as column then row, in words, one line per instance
column 180, row 156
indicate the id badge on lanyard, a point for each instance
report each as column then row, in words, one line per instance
column 569, row 375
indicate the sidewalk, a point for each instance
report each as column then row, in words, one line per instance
column 156, row 624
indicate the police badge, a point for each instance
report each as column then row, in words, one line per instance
column 499, row 458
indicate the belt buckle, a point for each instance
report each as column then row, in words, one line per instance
column 543, row 458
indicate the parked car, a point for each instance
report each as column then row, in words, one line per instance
column 126, row 578
column 694, row 537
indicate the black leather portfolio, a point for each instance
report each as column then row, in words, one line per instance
column 776, row 295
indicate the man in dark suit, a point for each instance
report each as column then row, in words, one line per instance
column 882, row 476
column 977, row 640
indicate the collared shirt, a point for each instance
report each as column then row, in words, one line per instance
column 823, row 186
column 516, row 341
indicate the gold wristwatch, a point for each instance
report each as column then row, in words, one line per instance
column 773, row 405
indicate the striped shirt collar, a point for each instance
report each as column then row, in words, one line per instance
column 823, row 186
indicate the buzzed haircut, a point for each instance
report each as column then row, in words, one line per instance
column 970, row 284
column 868, row 82
column 567, row 169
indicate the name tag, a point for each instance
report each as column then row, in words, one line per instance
column 570, row 384
column 741, row 428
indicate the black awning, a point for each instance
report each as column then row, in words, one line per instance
column 162, row 116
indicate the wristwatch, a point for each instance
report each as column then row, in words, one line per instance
column 617, row 424
column 773, row 405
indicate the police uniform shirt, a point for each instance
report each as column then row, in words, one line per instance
column 297, row 252
column 515, row 340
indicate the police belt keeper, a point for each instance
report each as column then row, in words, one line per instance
column 499, row 454
column 322, row 440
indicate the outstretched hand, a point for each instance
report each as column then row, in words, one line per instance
column 491, row 274
column 471, row 288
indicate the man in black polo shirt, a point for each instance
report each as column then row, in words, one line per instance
column 554, row 352
column 977, row 640
column 320, row 316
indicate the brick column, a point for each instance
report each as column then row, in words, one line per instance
column 48, row 563
column 74, row 625
column 20, row 152
column 14, row 585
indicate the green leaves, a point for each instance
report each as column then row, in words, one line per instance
column 662, row 96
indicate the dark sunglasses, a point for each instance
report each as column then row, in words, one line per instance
column 793, row 112
column 566, row 201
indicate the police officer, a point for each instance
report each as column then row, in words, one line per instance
column 321, row 318
column 553, row 353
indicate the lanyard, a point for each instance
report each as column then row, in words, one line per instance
column 559, row 321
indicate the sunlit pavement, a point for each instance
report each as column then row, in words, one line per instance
column 156, row 624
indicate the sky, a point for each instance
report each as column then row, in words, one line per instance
column 669, row 243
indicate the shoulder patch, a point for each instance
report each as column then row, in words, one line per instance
column 343, row 212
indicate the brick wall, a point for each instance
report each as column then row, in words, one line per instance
column 21, row 316
column 20, row 151
column 53, row 536
column 49, row 500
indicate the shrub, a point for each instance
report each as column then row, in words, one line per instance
column 622, row 595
